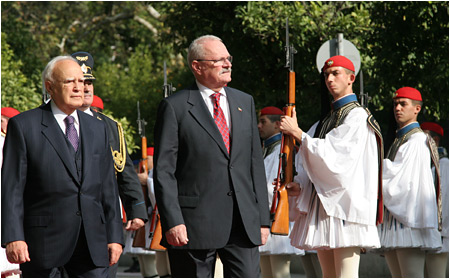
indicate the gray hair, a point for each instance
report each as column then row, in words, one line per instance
column 196, row 50
column 47, row 74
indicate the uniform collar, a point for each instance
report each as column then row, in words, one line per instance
column 272, row 139
column 401, row 132
column 344, row 100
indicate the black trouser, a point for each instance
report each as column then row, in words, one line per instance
column 80, row 265
column 240, row 257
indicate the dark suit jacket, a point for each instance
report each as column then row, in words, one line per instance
column 44, row 202
column 195, row 177
column 130, row 189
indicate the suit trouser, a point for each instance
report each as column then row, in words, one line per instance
column 80, row 265
column 240, row 257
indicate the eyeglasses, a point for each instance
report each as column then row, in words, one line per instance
column 219, row 61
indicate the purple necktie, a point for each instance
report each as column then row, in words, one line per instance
column 221, row 123
column 71, row 132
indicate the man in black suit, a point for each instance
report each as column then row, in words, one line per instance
column 60, row 206
column 210, row 185
column 130, row 190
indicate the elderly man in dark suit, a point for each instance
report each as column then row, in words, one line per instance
column 130, row 189
column 209, row 172
column 60, row 206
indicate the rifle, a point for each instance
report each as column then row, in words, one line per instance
column 168, row 89
column 363, row 97
column 279, row 211
column 139, row 237
column 155, row 224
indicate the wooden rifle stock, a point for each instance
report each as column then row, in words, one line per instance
column 286, row 169
column 155, row 231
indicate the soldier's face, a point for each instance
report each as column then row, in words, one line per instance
column 267, row 128
column 88, row 93
column 405, row 111
column 67, row 86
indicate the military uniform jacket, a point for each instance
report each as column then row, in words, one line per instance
column 130, row 189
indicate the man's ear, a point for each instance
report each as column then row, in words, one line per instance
column 196, row 67
column 352, row 78
column 49, row 87
column 418, row 109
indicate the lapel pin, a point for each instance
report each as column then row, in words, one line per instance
column 239, row 109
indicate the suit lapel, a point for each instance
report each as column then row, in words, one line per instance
column 53, row 133
column 202, row 115
column 87, row 134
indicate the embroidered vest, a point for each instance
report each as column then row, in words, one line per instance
column 341, row 108
column 403, row 136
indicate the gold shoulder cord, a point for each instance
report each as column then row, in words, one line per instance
column 119, row 156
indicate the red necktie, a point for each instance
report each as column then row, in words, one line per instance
column 221, row 123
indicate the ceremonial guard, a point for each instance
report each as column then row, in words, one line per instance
column 436, row 262
column 411, row 197
column 338, row 176
column 276, row 254
column 134, row 211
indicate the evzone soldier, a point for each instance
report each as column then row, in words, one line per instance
column 338, row 176
column 411, row 197
column 436, row 262
column 276, row 253
column 134, row 211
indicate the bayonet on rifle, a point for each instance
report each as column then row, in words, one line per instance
column 364, row 98
column 168, row 89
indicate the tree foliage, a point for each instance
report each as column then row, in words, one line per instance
column 400, row 43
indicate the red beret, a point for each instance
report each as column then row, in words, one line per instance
column 271, row 111
column 9, row 112
column 339, row 61
column 431, row 126
column 97, row 102
column 150, row 151
column 408, row 92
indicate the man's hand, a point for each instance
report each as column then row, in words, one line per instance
column 264, row 234
column 143, row 176
column 135, row 224
column 17, row 252
column 289, row 126
column 293, row 189
column 177, row 236
column 114, row 250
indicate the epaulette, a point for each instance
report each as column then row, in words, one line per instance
column 119, row 156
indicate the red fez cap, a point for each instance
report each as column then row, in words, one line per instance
column 408, row 92
column 431, row 126
column 150, row 151
column 271, row 111
column 339, row 61
column 97, row 102
column 9, row 112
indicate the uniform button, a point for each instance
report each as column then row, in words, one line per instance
column 78, row 213
column 230, row 193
